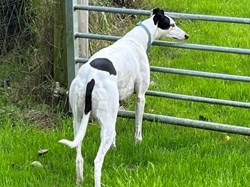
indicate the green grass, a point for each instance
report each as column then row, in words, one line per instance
column 177, row 157
column 169, row 155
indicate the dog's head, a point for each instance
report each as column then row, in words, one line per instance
column 166, row 26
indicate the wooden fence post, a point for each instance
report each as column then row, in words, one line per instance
column 60, row 46
column 83, row 23
column 66, row 47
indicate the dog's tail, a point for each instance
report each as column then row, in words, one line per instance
column 84, row 123
column 80, row 134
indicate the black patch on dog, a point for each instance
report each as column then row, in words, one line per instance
column 88, row 96
column 103, row 64
column 161, row 19
column 165, row 24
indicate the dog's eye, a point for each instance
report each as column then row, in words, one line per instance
column 172, row 25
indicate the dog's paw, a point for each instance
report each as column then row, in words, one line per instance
column 79, row 181
column 138, row 140
column 138, row 137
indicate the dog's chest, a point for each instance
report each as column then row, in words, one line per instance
column 129, row 77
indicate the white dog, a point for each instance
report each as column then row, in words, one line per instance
column 113, row 74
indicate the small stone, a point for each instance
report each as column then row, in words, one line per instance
column 36, row 164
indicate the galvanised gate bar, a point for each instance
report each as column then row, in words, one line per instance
column 73, row 57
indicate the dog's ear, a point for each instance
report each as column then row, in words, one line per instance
column 155, row 11
column 158, row 15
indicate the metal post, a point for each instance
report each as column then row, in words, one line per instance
column 172, row 44
column 71, row 42
column 172, row 14
column 189, row 123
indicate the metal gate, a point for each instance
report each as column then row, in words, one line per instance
column 73, row 57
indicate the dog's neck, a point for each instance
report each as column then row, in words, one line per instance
column 143, row 37
column 140, row 24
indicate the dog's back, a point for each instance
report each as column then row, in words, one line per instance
column 123, row 58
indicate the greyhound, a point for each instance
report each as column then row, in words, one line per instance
column 113, row 74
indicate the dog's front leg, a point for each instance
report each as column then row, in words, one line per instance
column 138, row 116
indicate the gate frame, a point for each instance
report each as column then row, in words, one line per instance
column 73, row 58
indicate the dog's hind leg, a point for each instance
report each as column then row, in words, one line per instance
column 80, row 126
column 79, row 158
column 107, row 119
column 79, row 164
column 80, row 123
column 107, row 137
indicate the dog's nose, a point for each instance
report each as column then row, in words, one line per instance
column 186, row 36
